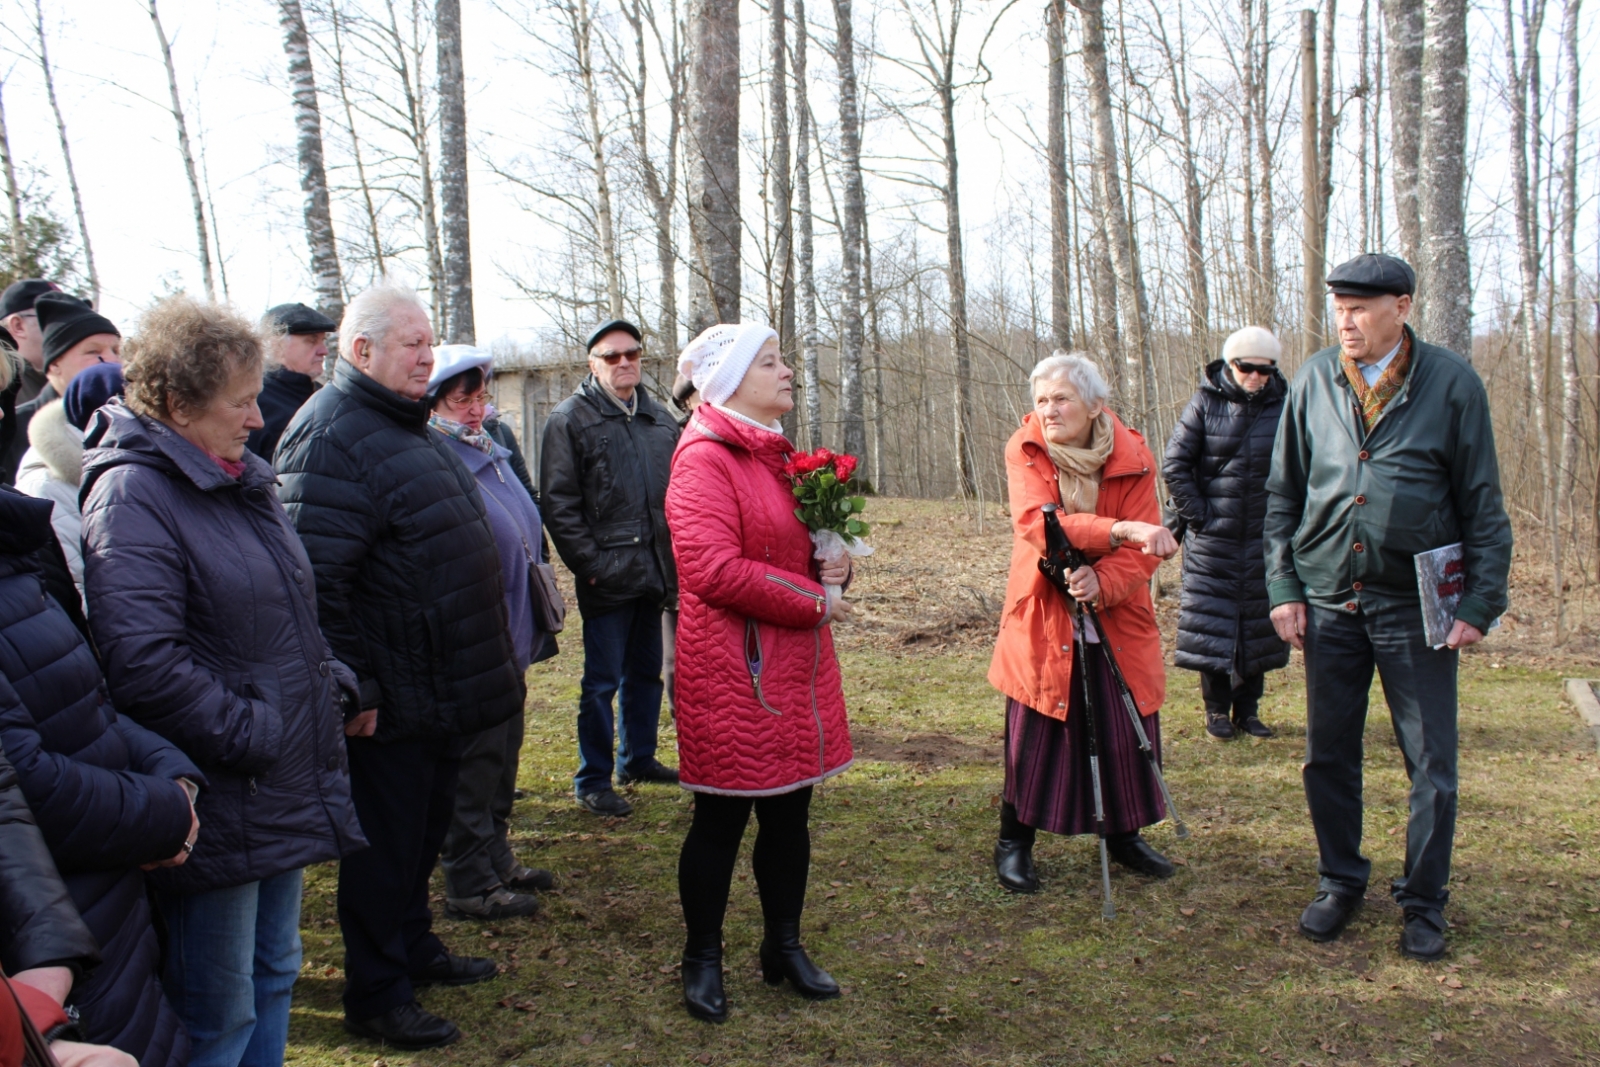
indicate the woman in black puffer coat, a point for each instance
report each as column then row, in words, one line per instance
column 106, row 793
column 1216, row 470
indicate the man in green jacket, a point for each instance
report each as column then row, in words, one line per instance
column 1385, row 450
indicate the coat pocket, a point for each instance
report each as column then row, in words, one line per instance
column 756, row 662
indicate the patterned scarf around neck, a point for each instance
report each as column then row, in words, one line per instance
column 1078, row 469
column 1371, row 400
column 450, row 428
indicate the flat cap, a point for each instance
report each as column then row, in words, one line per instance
column 297, row 318
column 20, row 295
column 1373, row 274
column 606, row 327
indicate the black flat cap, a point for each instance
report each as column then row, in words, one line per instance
column 1373, row 274
column 20, row 295
column 65, row 320
column 615, row 324
column 297, row 318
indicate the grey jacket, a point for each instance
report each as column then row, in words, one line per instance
column 1348, row 510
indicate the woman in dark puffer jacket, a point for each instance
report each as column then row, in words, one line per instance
column 1216, row 470
column 204, row 608
column 109, row 795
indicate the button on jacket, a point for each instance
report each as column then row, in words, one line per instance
column 408, row 578
column 603, row 489
column 1426, row 475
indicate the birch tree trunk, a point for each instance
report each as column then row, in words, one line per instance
column 1129, row 285
column 581, row 27
column 782, row 191
column 875, row 342
column 1056, row 164
column 1328, row 123
column 1364, row 118
column 325, row 272
column 460, row 324
column 1403, row 26
column 1445, row 300
column 1103, row 284
column 408, row 66
column 202, row 238
column 810, row 374
column 66, row 151
column 1254, row 282
column 1311, row 325
column 956, row 269
column 714, row 223
column 342, row 81
column 1266, row 153
column 1199, row 295
column 1571, row 386
column 851, row 416
column 13, row 195
column 662, row 193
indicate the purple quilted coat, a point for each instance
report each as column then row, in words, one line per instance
column 760, row 704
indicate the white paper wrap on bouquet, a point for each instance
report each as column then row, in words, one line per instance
column 832, row 545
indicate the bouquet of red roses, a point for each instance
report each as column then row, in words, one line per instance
column 822, row 486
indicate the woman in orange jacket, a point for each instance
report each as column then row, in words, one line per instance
column 1073, row 452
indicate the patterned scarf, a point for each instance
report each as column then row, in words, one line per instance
column 450, row 428
column 1078, row 469
column 1373, row 399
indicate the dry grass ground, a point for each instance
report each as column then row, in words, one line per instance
column 943, row 967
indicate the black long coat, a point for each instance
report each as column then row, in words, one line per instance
column 1216, row 469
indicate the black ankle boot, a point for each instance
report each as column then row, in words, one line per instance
column 702, row 978
column 1013, row 862
column 1132, row 852
column 782, row 957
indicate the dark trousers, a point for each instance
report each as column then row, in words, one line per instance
column 781, row 860
column 1220, row 694
column 476, row 854
column 1419, row 685
column 621, row 660
column 404, row 794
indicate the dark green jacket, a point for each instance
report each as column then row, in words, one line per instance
column 1346, row 513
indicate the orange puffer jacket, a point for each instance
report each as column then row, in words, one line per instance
column 1033, row 655
column 760, row 703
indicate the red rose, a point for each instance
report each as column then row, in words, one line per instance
column 844, row 467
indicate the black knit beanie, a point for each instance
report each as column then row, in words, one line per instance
column 65, row 320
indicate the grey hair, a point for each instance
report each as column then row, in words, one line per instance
column 274, row 335
column 371, row 313
column 9, row 368
column 1076, row 368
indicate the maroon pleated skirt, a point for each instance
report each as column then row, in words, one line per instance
column 1047, row 761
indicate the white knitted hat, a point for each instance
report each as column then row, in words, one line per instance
column 1252, row 342
column 717, row 360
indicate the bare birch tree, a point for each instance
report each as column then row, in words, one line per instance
column 1055, row 19
column 1403, row 27
column 1199, row 289
column 852, row 417
column 43, row 55
column 308, row 148
column 1266, row 163
column 1567, row 246
column 202, row 237
column 581, row 28
column 460, row 326
column 13, row 194
column 715, row 227
column 805, row 260
column 1311, row 324
column 1445, row 300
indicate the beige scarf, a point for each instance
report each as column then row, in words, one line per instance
column 1078, row 469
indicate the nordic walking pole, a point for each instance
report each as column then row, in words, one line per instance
column 1051, row 567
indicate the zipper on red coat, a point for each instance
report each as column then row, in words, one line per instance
column 820, row 600
column 816, row 663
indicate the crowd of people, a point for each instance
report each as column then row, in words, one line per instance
column 252, row 620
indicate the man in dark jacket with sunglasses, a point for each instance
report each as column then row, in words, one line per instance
column 603, row 480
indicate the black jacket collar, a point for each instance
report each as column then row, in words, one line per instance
column 412, row 414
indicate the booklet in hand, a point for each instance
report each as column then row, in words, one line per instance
column 1441, row 579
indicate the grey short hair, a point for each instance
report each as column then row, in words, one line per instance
column 274, row 335
column 371, row 313
column 1077, row 369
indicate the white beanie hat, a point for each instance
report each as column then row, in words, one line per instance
column 717, row 360
column 451, row 360
column 1252, row 342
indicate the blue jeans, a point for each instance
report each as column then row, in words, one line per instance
column 621, row 660
column 232, row 958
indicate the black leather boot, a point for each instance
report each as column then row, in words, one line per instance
column 1132, row 852
column 782, row 957
column 1013, row 862
column 702, row 978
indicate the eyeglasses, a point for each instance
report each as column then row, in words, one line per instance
column 613, row 358
column 1263, row 369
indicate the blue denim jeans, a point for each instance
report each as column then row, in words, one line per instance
column 621, row 660
column 232, row 958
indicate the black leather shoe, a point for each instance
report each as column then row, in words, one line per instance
column 528, row 879
column 450, row 969
column 782, row 957
column 1131, row 851
column 702, row 979
column 1251, row 725
column 1013, row 862
column 1218, row 728
column 653, row 771
column 1328, row 914
column 407, row 1026
column 605, row 802
column 1422, row 939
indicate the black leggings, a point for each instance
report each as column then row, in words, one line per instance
column 782, row 857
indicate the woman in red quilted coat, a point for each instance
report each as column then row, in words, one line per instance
column 761, row 714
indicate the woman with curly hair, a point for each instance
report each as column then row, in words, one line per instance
column 206, row 617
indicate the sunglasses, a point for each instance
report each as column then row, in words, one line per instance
column 613, row 358
column 1263, row 369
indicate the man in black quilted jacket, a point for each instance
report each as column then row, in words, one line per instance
column 603, row 480
column 409, row 596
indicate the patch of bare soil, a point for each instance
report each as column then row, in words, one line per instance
column 933, row 751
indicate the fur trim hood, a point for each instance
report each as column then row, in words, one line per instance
column 58, row 443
